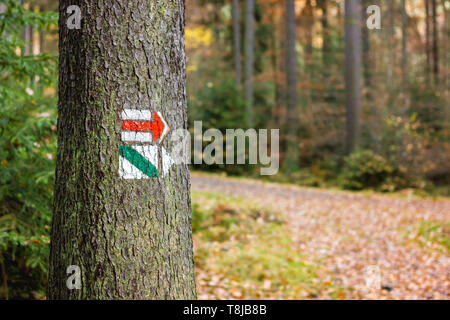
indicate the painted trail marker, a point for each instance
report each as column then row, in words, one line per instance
column 138, row 158
column 143, row 126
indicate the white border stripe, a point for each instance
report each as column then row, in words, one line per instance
column 137, row 136
column 134, row 114
column 165, row 130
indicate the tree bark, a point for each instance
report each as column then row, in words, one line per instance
column 367, row 63
column 352, row 73
column 27, row 34
column 435, row 43
column 391, row 55
column 249, row 57
column 292, row 154
column 323, row 5
column 427, row 40
column 132, row 239
column 446, row 46
column 404, row 63
column 276, row 59
column 237, row 43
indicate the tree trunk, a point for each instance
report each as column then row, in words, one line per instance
column 323, row 5
column 427, row 40
column 277, row 61
column 435, row 43
column 27, row 33
column 237, row 43
column 404, row 63
column 352, row 72
column 446, row 46
column 366, row 46
column 308, row 25
column 249, row 57
column 131, row 238
column 391, row 55
column 292, row 158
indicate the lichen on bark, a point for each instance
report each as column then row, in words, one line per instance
column 132, row 239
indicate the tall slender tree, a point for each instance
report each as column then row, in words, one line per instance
column 237, row 43
column 367, row 63
column 323, row 5
column 292, row 152
column 352, row 73
column 130, row 238
column 435, row 42
column 277, row 61
column 404, row 61
column 427, row 39
column 446, row 42
column 249, row 57
column 391, row 48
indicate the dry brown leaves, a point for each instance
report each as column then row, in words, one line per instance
column 347, row 236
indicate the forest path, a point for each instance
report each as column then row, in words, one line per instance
column 352, row 236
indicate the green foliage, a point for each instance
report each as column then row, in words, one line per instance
column 435, row 233
column 219, row 105
column 28, row 147
column 366, row 169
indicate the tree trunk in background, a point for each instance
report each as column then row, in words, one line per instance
column 323, row 5
column 435, row 43
column 292, row 152
column 404, row 63
column 27, row 34
column 446, row 47
column 276, row 58
column 237, row 43
column 352, row 72
column 366, row 45
column 427, row 40
column 391, row 56
column 132, row 239
column 308, row 23
column 249, row 57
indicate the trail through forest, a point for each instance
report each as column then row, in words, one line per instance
column 354, row 237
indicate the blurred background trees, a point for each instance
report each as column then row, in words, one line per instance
column 396, row 105
column 250, row 63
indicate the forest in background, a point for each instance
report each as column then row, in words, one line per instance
column 260, row 66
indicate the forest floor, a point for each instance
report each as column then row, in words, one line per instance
column 303, row 243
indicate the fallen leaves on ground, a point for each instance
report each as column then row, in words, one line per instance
column 336, row 245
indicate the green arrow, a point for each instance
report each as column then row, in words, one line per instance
column 138, row 160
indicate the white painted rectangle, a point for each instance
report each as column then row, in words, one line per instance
column 134, row 114
column 132, row 136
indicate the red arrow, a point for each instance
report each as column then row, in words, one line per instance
column 156, row 126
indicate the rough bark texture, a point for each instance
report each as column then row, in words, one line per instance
column 249, row 57
column 291, row 162
column 237, row 43
column 352, row 72
column 132, row 239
